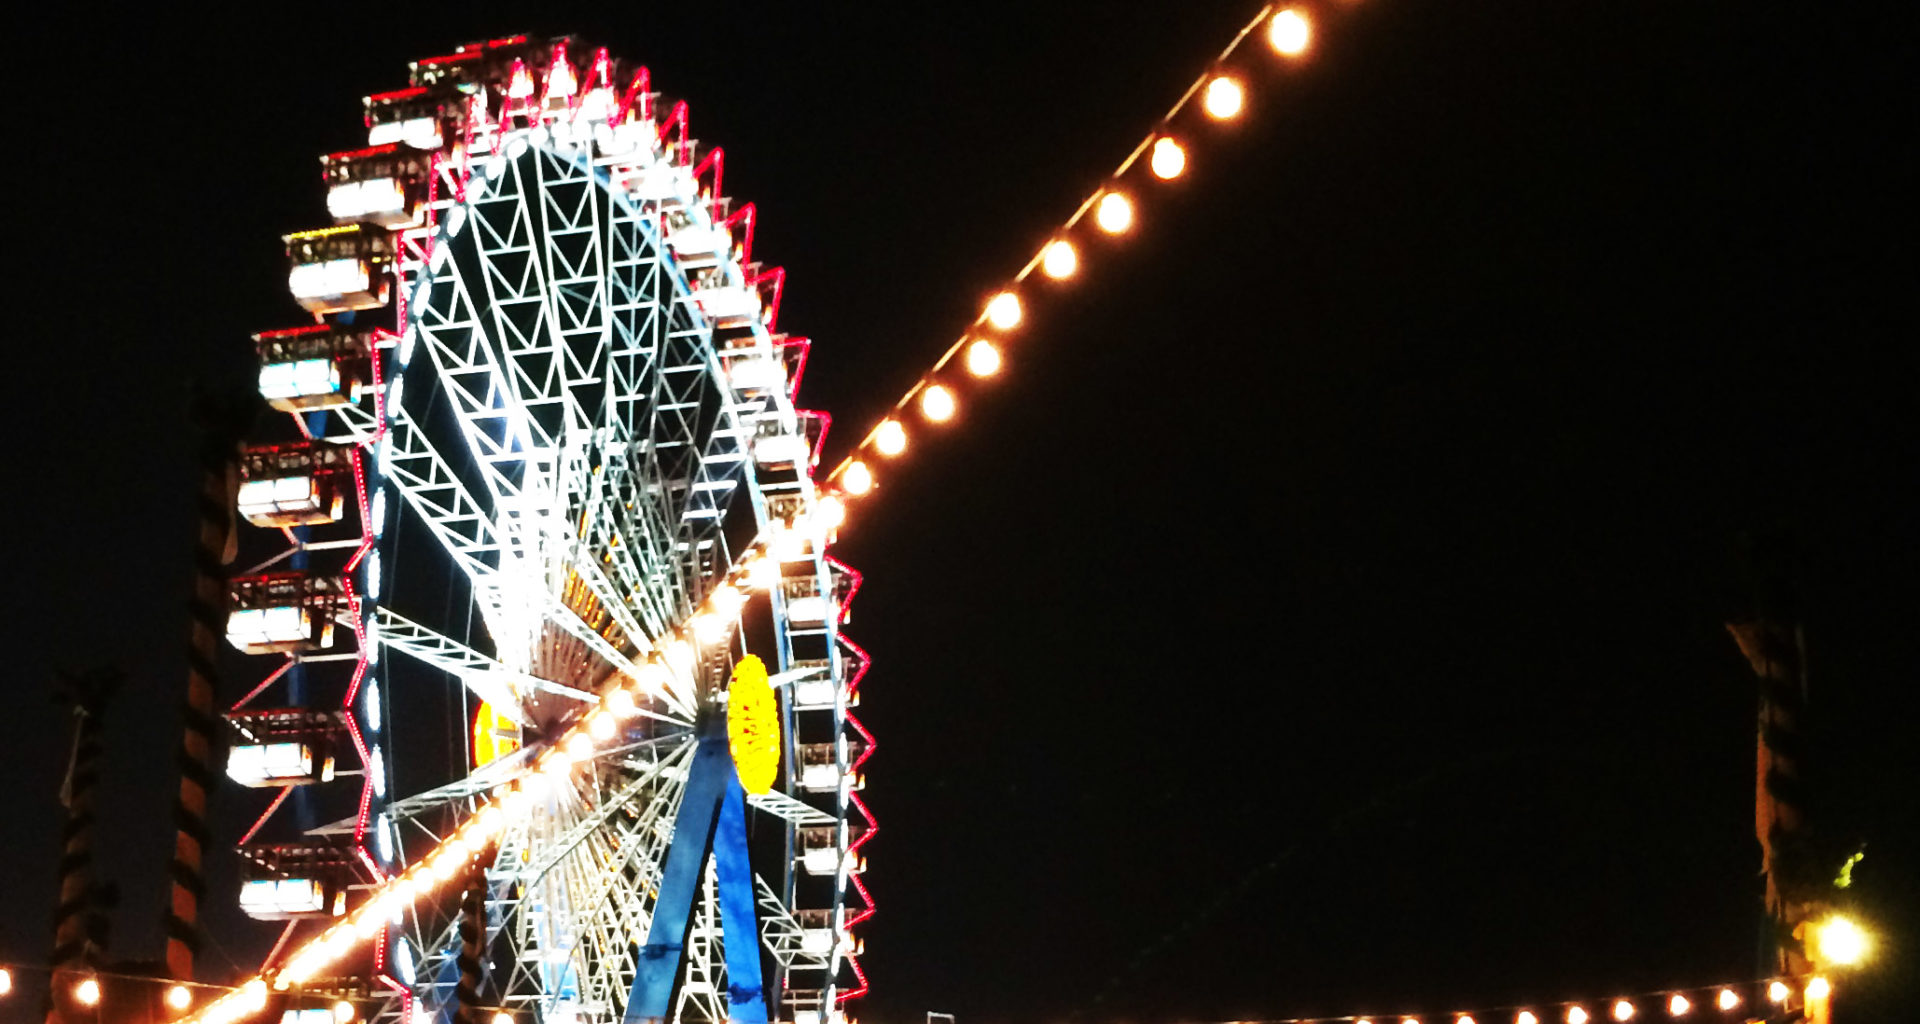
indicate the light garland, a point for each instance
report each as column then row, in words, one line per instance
column 1289, row 31
column 1711, row 1003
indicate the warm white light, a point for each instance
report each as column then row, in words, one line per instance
column 829, row 512
column 87, row 993
column 601, row 726
column 1778, row 991
column 1678, row 1006
column 1622, row 1010
column 1060, row 261
column 858, row 479
column 253, row 995
column 580, row 746
column 503, row 1017
column 1167, row 159
column 890, row 437
column 1223, row 98
column 620, row 701
column 1819, row 988
column 1525, row 1017
column 1464, row 1019
column 1114, row 213
column 763, row 573
column 1839, row 942
column 1729, row 999
column 178, row 998
column 1289, row 33
column 1004, row 311
column 1576, row 1015
column 342, row 1012
column 983, row 360
column 6, row 981
column 937, row 403
column 557, row 764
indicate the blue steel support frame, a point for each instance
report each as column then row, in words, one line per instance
column 712, row 817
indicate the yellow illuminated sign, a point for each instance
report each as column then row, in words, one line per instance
column 753, row 725
column 494, row 735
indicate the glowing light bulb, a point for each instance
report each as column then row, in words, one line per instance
column 1060, row 261
column 580, row 746
column 342, row 1012
column 87, row 993
column 1464, row 1019
column 829, row 513
column 178, row 998
column 1819, row 988
column 890, row 437
column 1622, row 1010
column 556, row 764
column 253, row 995
column 983, row 360
column 1224, row 98
column 601, row 726
column 763, row 573
column 1678, row 1006
column 620, row 701
column 1839, row 942
column 937, row 403
column 1525, row 1017
column 1778, row 991
column 858, row 479
column 1289, row 33
column 1003, row 311
column 1576, row 1015
column 1729, row 999
column 1114, row 213
column 1168, row 160
column 503, row 1017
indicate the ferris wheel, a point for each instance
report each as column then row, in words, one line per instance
column 558, row 724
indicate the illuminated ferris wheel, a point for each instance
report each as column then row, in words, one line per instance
column 558, row 724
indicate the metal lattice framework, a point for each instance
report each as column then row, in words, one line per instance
column 584, row 499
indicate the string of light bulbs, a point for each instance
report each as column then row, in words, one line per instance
column 1735, row 1001
column 1289, row 32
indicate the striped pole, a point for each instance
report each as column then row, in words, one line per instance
column 80, row 920
column 213, row 549
column 473, row 940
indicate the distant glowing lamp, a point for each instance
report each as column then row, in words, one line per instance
column 1464, row 1018
column 1622, row 1010
column 342, row 1012
column 1060, row 262
column 1168, row 160
column 890, row 437
column 1576, row 1015
column 937, row 403
column 580, row 746
column 1729, row 1000
column 1114, row 213
column 1224, row 98
column 1778, row 991
column 503, row 1017
column 983, row 360
column 1819, row 988
column 1525, row 1017
column 601, row 726
column 830, row 512
column 858, row 479
column 87, row 993
column 1678, row 1005
column 178, row 998
column 1289, row 33
column 1004, row 311
column 6, row 981
column 1839, row 942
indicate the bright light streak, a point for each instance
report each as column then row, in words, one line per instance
column 1004, row 311
column 87, row 993
column 858, row 479
column 1678, row 1006
column 1114, row 213
column 890, row 437
column 1224, row 98
column 1168, row 159
column 937, row 403
column 1729, row 999
column 983, row 360
column 1289, row 33
column 1060, row 262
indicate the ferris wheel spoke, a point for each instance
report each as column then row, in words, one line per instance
column 781, row 933
column 660, row 777
column 793, row 811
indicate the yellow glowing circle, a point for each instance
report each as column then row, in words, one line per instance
column 1060, row 261
column 1839, row 942
column 1114, row 213
column 858, row 479
column 753, row 725
column 983, row 360
column 1168, row 160
column 937, row 403
column 494, row 735
column 1004, row 311
column 1818, row 989
column 1289, row 33
column 890, row 437
column 1224, row 98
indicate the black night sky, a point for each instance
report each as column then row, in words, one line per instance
column 1324, row 612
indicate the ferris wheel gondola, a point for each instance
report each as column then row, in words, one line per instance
column 547, row 502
